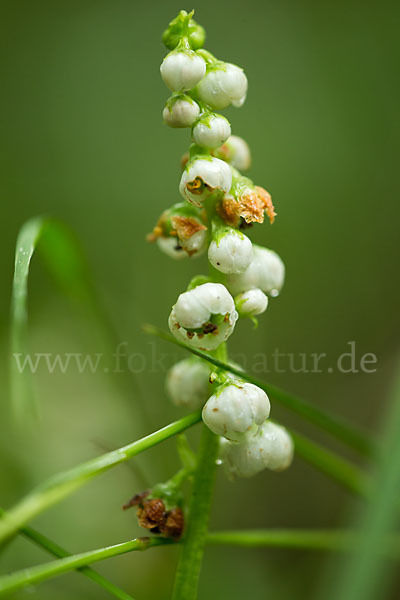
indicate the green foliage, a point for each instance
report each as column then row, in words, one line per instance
column 64, row 484
column 66, row 263
column 367, row 571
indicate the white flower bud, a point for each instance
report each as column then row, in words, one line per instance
column 211, row 131
column 266, row 272
column 181, row 111
column 202, row 176
column 171, row 247
column 251, row 303
column 204, row 317
column 231, row 252
column 182, row 69
column 241, row 157
column 238, row 408
column 187, row 383
column 240, row 102
column 196, row 244
column 270, row 448
column 223, row 84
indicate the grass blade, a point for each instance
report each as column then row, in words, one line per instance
column 366, row 572
column 56, row 550
column 332, row 465
column 302, row 539
column 32, row 575
column 63, row 484
column 333, row 425
column 65, row 260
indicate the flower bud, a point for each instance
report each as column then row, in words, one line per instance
column 187, row 383
column 180, row 111
column 266, row 272
column 270, row 448
column 180, row 231
column 251, row 303
column 184, row 25
column 171, row 247
column 203, row 317
column 211, row 131
column 202, row 176
column 182, row 68
column 238, row 408
column 236, row 152
column 230, row 252
column 246, row 201
column 196, row 243
column 223, row 84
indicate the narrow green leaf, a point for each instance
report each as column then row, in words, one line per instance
column 332, row 465
column 33, row 575
column 302, row 539
column 337, row 427
column 366, row 574
column 65, row 260
column 63, row 484
column 56, row 550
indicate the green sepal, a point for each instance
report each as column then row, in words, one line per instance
column 184, row 26
column 178, row 96
column 219, row 229
column 197, row 280
column 180, row 209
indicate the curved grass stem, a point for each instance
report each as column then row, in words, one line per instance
column 301, row 539
column 63, row 484
column 44, row 542
column 20, row 579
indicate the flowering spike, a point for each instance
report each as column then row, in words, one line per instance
column 219, row 203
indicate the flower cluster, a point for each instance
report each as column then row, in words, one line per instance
column 219, row 204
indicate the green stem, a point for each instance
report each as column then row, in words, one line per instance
column 305, row 539
column 63, row 484
column 191, row 556
column 337, row 427
column 336, row 467
column 11, row 583
column 314, row 539
column 190, row 559
column 56, row 550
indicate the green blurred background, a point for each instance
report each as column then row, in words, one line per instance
column 82, row 139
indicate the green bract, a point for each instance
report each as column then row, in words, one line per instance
column 184, row 25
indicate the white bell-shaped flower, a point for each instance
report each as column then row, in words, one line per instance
column 240, row 153
column 230, row 252
column 236, row 410
column 181, row 111
column 202, row 176
column 182, row 69
column 266, row 272
column 251, row 303
column 223, row 84
column 187, row 383
column 270, row 448
column 203, row 317
column 180, row 231
column 171, row 247
column 196, row 244
column 211, row 131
